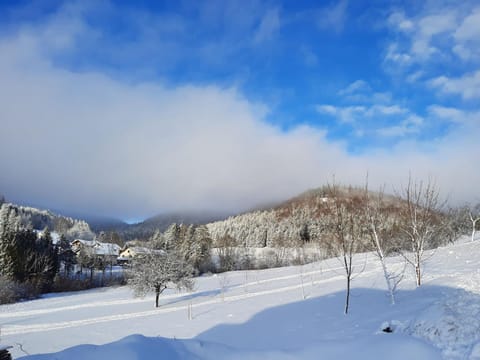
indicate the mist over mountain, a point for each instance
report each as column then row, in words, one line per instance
column 146, row 228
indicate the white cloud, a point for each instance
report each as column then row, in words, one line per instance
column 410, row 125
column 355, row 87
column 415, row 76
column 455, row 115
column 385, row 110
column 345, row 114
column 360, row 91
column 93, row 143
column 396, row 56
column 398, row 20
column 470, row 27
column 309, row 57
column 356, row 113
column 438, row 31
column 426, row 28
column 268, row 27
column 328, row 109
column 333, row 17
column 467, row 86
column 467, row 37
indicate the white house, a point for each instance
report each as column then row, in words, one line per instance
column 130, row 252
column 107, row 251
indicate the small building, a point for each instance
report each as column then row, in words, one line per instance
column 79, row 244
column 109, row 252
column 130, row 252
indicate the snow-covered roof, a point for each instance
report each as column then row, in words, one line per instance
column 98, row 247
column 84, row 242
column 138, row 250
column 106, row 249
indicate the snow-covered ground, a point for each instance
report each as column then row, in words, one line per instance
column 284, row 313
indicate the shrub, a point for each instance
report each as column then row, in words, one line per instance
column 9, row 291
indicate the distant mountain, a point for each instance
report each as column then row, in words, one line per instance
column 290, row 223
column 101, row 223
column 146, row 228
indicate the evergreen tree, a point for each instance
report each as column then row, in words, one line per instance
column 86, row 259
column 47, row 253
column 25, row 257
column 114, row 237
column 202, row 243
column 9, row 225
column 172, row 236
column 66, row 256
column 158, row 241
column 305, row 234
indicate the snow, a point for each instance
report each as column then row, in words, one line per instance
column 98, row 247
column 263, row 315
column 54, row 235
column 148, row 348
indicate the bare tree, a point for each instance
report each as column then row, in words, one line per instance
column 346, row 231
column 157, row 271
column 474, row 216
column 379, row 229
column 224, row 282
column 421, row 222
column 226, row 253
column 456, row 222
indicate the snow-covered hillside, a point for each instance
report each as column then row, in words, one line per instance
column 38, row 219
column 284, row 313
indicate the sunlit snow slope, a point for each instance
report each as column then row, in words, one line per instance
column 285, row 313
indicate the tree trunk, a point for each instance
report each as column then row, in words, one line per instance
column 388, row 280
column 347, row 299
column 384, row 266
column 157, row 295
column 418, row 275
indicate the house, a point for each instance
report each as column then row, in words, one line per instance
column 79, row 244
column 130, row 252
column 108, row 252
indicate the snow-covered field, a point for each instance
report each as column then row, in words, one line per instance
column 284, row 313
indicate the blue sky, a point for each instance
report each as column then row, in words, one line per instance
column 369, row 83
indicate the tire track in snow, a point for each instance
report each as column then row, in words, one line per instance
column 26, row 313
column 25, row 329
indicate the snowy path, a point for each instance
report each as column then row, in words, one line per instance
column 23, row 329
column 95, row 304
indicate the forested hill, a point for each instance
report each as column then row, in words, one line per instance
column 298, row 220
column 33, row 218
column 310, row 217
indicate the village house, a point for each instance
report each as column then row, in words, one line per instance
column 109, row 252
column 129, row 252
